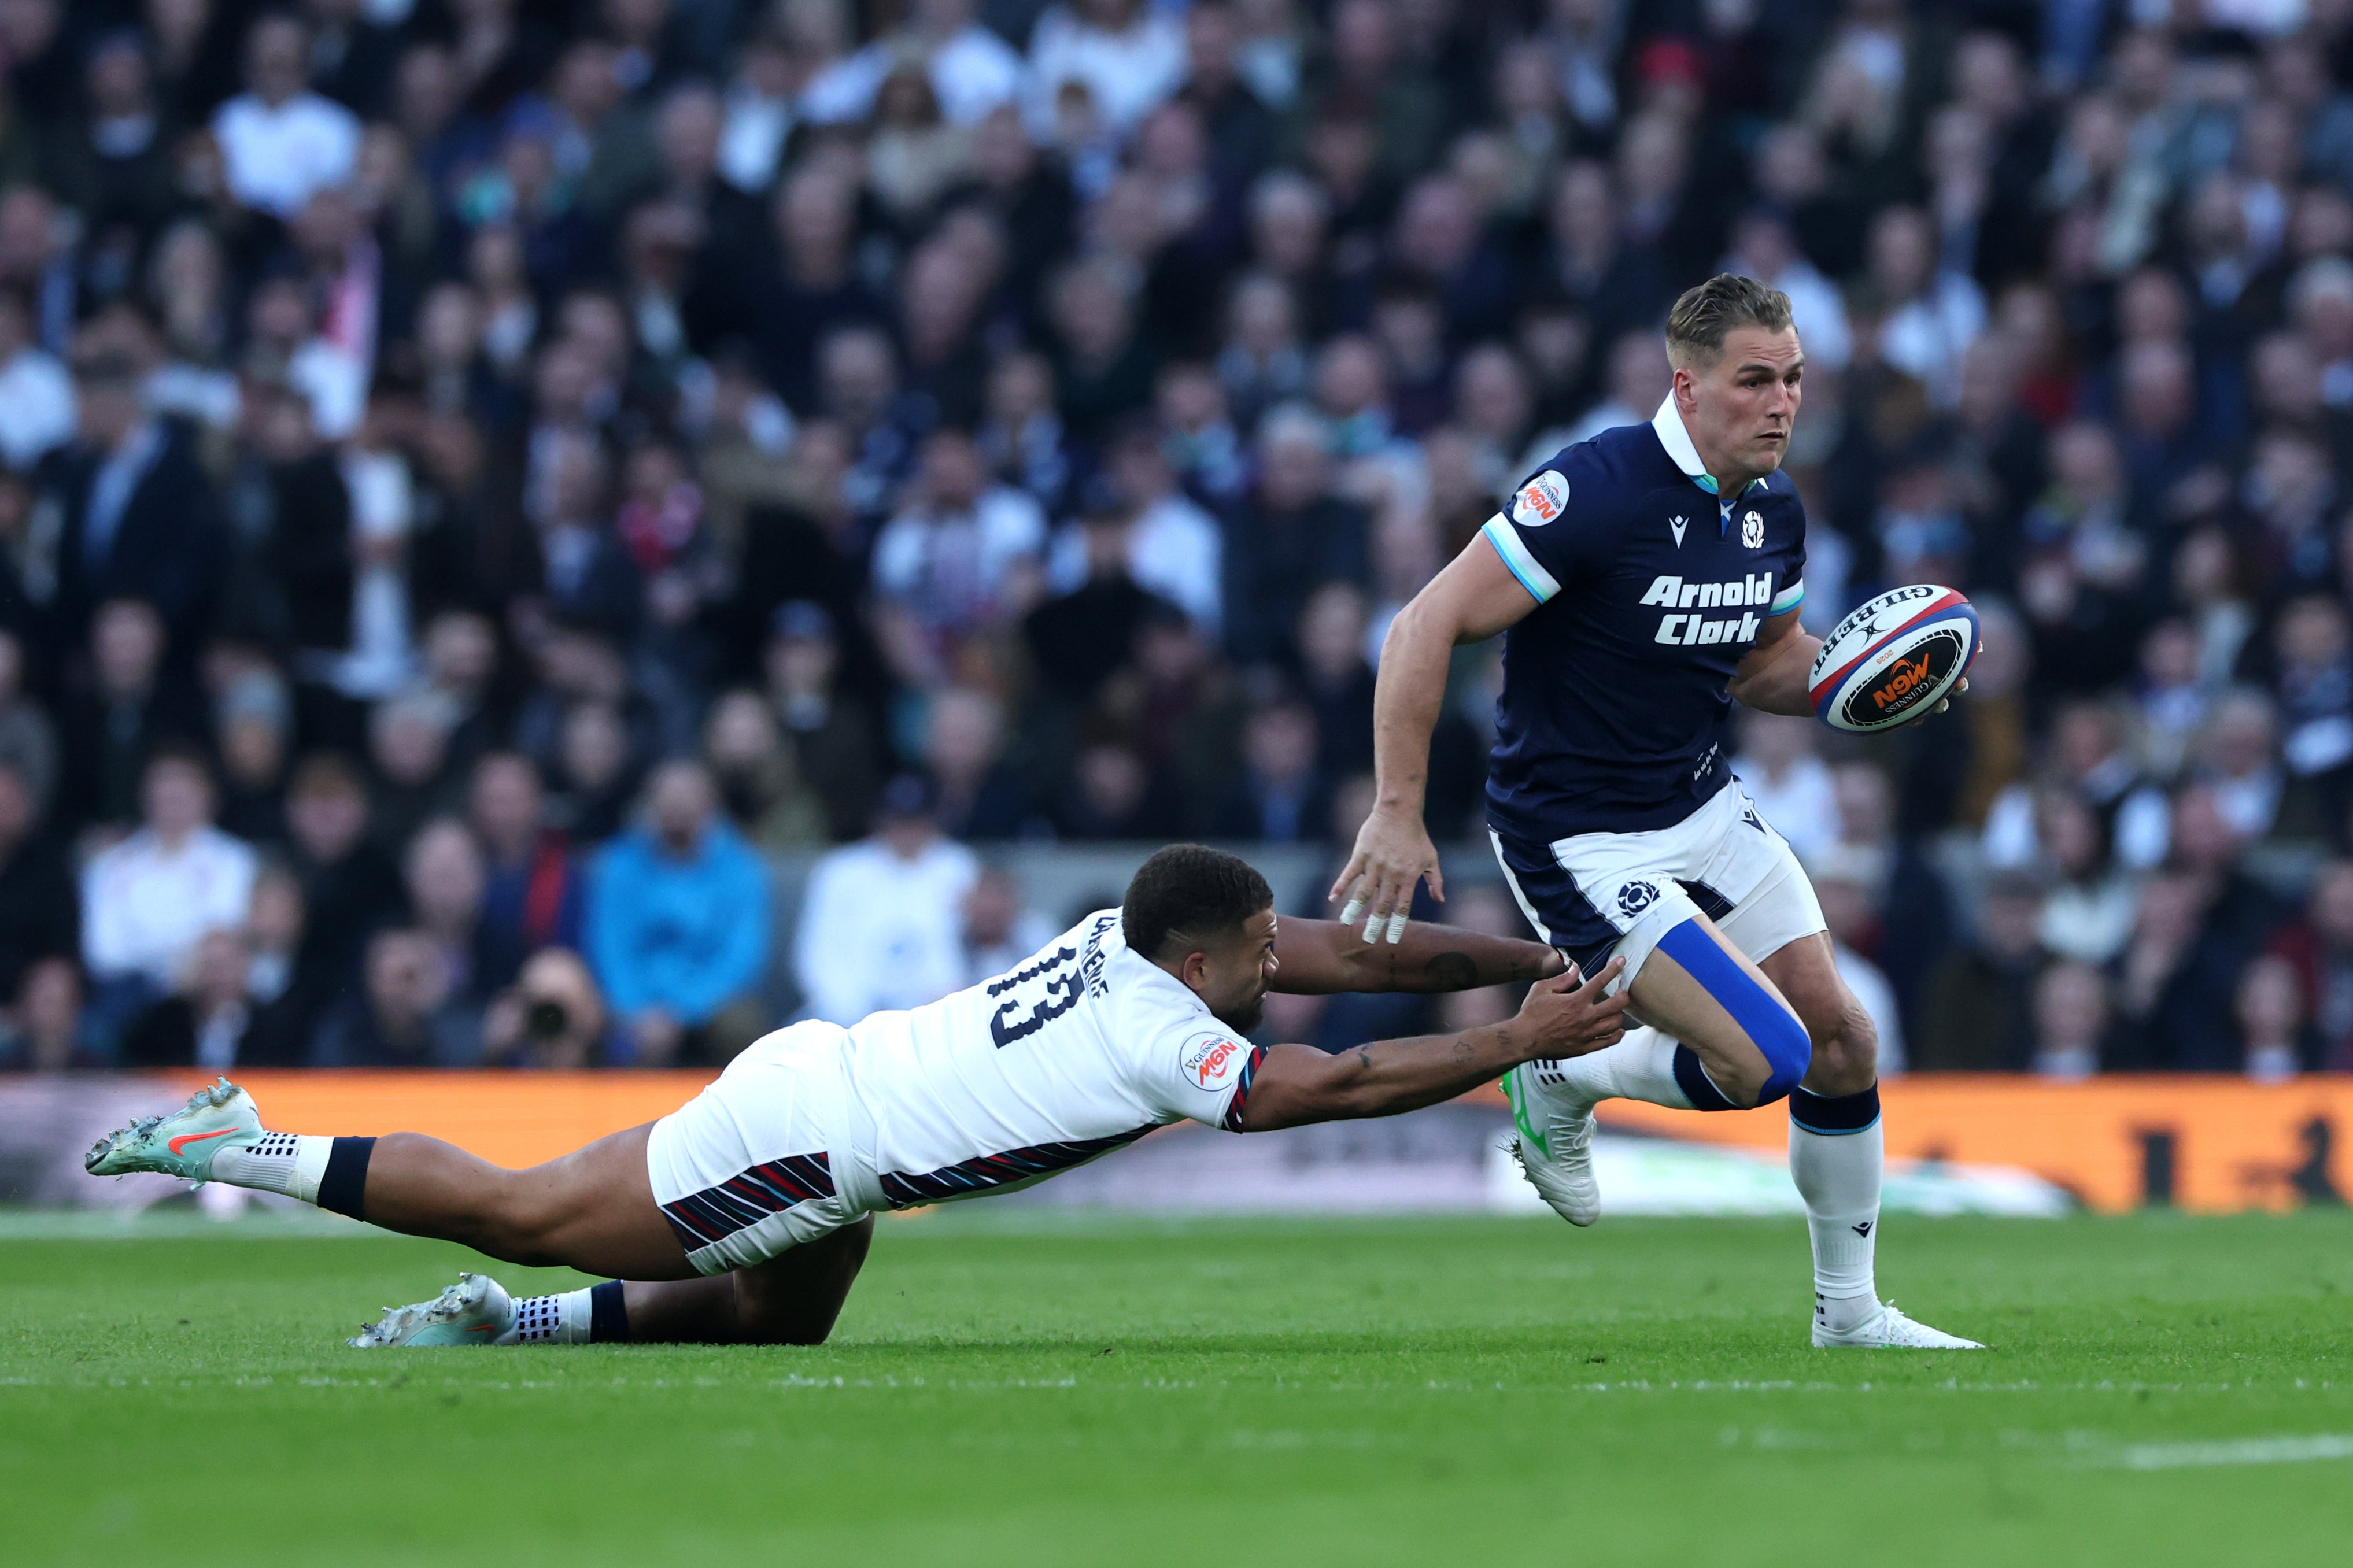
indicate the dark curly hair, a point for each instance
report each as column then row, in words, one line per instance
column 1189, row 893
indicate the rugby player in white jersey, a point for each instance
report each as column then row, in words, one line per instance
column 1644, row 581
column 745, row 1216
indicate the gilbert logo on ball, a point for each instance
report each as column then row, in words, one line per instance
column 1893, row 659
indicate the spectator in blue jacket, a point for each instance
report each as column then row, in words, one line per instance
column 678, row 925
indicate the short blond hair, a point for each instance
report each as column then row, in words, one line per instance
column 1704, row 313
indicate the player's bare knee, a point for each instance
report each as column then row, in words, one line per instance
column 1846, row 1057
column 796, row 1298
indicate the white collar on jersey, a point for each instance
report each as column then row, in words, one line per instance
column 1668, row 425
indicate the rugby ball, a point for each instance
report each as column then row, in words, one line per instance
column 1893, row 659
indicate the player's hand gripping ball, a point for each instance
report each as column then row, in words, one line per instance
column 1896, row 658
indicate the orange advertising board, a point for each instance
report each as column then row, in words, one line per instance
column 508, row 1119
column 2208, row 1144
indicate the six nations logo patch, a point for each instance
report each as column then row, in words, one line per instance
column 1208, row 1059
column 1540, row 501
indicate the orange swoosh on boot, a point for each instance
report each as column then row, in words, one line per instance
column 185, row 1139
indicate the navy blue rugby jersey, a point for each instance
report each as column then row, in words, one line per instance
column 1650, row 590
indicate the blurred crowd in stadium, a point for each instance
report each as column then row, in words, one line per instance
column 477, row 476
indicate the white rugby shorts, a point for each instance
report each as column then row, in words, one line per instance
column 1596, row 896
column 767, row 1157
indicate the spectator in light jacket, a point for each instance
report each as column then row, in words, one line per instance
column 677, row 924
column 882, row 924
column 147, row 901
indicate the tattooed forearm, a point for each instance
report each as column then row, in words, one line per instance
column 1431, row 958
column 1415, row 1072
column 1451, row 972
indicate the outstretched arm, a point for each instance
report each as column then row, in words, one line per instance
column 1295, row 1085
column 1473, row 599
column 1319, row 958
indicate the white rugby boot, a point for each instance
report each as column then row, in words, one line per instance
column 1889, row 1330
column 476, row 1310
column 1555, row 1144
column 184, row 1142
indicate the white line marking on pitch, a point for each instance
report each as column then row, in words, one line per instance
column 2246, row 1451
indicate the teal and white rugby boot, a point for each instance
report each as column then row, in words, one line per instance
column 476, row 1310
column 185, row 1142
column 1554, row 1141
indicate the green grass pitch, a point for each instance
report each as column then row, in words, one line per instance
column 1015, row 1388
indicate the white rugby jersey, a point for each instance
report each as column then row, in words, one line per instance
column 1081, row 1049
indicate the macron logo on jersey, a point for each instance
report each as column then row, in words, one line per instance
column 1689, row 630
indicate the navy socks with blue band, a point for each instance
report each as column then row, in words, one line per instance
column 608, row 1315
column 1698, row 1087
column 343, row 1186
column 1834, row 1116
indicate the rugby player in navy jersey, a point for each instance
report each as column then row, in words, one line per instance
column 1644, row 581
